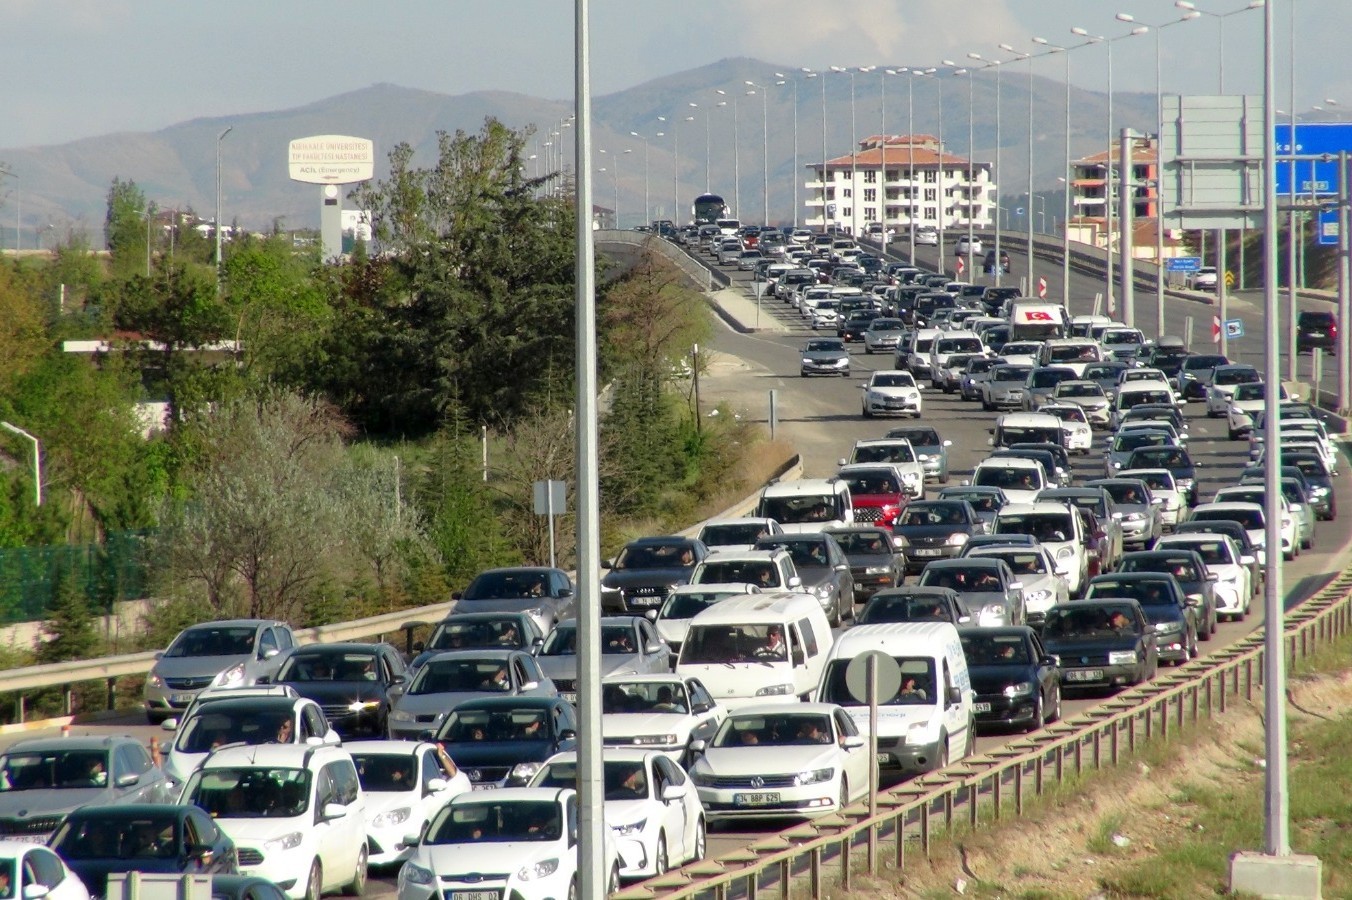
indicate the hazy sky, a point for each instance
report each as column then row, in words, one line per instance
column 75, row 68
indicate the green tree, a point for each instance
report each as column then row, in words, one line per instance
column 124, row 228
column 72, row 631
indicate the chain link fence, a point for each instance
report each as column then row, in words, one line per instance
column 106, row 573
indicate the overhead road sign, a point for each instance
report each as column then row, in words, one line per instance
column 331, row 159
column 1182, row 263
column 1313, row 176
column 1213, row 161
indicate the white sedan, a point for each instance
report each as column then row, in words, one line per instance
column 891, row 392
column 782, row 760
column 512, row 842
column 1234, row 580
column 406, row 784
column 651, row 808
column 664, row 713
column 1076, row 432
column 41, row 873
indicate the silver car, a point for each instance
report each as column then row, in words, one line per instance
column 230, row 653
column 629, row 646
column 988, row 587
column 883, row 335
column 1141, row 525
column 1044, row 582
column 451, row 678
column 1004, row 387
column 44, row 779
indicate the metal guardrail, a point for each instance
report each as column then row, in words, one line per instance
column 706, row 277
column 989, row 787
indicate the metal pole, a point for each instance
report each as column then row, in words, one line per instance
column 592, row 877
column 1344, row 287
column 1108, row 193
column 910, row 160
column 1277, row 840
column 736, row 157
column 549, row 512
column 1126, row 220
column 854, row 165
column 765, row 152
column 1222, row 291
column 999, row 173
column 1065, row 224
column 1032, row 281
column 825, row 160
column 971, row 159
column 1159, row 190
column 882, row 165
column 939, row 79
column 220, row 137
column 1296, row 233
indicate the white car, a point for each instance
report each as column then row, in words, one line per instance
column 1163, row 488
column 1252, row 517
column 685, row 601
column 782, row 759
column 1204, row 279
column 1234, row 580
column 1020, row 479
column 665, row 713
column 736, row 534
column 767, row 569
column 297, row 815
column 513, row 842
column 406, row 783
column 1297, row 527
column 1224, row 381
column 1076, row 432
column 927, row 237
column 1056, row 526
column 897, row 452
column 651, row 808
column 891, row 392
column 1246, row 401
column 1043, row 579
column 42, row 873
column 1021, row 353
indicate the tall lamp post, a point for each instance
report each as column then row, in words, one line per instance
column 37, row 459
column 705, row 110
column 854, row 153
column 220, row 137
column 736, row 154
column 647, row 215
column 821, row 76
column 765, row 145
column 785, row 79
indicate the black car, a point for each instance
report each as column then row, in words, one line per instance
column 502, row 741
column 994, row 297
column 646, row 570
column 1190, row 571
column 99, row 841
column 934, row 529
column 1016, row 681
column 985, row 501
column 352, row 682
column 1308, row 468
column 1316, row 329
column 915, row 604
column 824, row 568
column 1101, row 643
column 988, row 265
column 1175, row 459
column 545, row 593
column 874, row 562
column 1168, row 610
column 479, row 631
column 852, row 328
column 244, row 887
column 1168, row 360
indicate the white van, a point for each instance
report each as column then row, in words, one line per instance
column 807, row 505
column 760, row 648
column 918, row 351
column 927, row 724
column 1073, row 353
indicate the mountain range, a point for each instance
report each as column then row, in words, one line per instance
column 64, row 187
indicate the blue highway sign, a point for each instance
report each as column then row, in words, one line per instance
column 1234, row 328
column 1328, row 227
column 1182, row 263
column 1312, row 176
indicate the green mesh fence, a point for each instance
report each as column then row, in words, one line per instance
column 108, row 572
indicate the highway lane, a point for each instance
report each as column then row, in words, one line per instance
column 821, row 417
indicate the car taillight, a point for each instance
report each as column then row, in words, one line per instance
column 1333, row 330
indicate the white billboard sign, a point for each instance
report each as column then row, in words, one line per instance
column 331, row 159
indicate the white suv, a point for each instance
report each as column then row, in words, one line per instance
column 297, row 815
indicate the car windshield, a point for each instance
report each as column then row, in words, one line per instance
column 1251, row 519
column 1178, row 566
column 468, row 725
column 506, row 586
column 1098, row 620
column 978, row 364
column 478, row 634
column 925, row 515
column 386, row 772
column 1046, row 378
column 1022, row 562
column 1137, row 438
column 1157, row 481
column 456, row 676
column 779, row 730
column 688, row 605
column 825, row 347
column 863, row 542
column 996, row 649
column 1010, row 373
column 213, row 641
column 1028, row 434
column 889, row 608
column 1213, row 553
column 1203, row 363
column 1021, row 478
column 801, row 508
column 1121, row 337
column 861, row 483
column 1254, row 390
column 147, row 836
column 644, row 697
column 1168, row 457
column 1043, row 527
column 714, row 644
column 959, row 345
column 615, row 640
column 725, row 533
column 625, row 779
column 1070, row 353
column 738, row 571
column 892, row 452
column 886, row 325
column 215, row 724
column 53, row 769
column 963, row 579
column 893, row 379
column 655, row 556
column 917, row 684
column 1022, row 348
column 1079, row 389
column 328, row 665
column 251, row 793
column 1145, row 591
column 497, row 822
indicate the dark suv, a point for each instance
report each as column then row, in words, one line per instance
column 1317, row 329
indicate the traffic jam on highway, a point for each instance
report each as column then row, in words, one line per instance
column 1076, row 557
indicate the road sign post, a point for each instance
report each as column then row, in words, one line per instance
column 551, row 499
column 873, row 677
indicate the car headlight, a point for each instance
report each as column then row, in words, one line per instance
column 524, row 771
column 916, row 733
column 1065, row 553
column 285, row 842
column 542, row 869
column 231, row 676
column 654, row 740
column 393, row 817
column 1041, row 596
column 822, row 590
column 417, row 874
column 910, row 477
column 877, row 570
column 1022, row 689
column 1168, row 627
column 1184, row 484
column 359, row 705
column 843, row 361
column 155, row 681
column 958, row 539
column 814, row 776
column 1121, row 657
column 775, row 690
column 400, row 716
column 995, row 611
column 631, row 829
column 1134, row 517
column 900, row 540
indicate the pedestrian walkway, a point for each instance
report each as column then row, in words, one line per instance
column 744, row 314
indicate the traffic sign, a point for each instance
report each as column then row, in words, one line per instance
column 1313, row 176
column 1328, row 227
column 1215, row 329
column 1182, row 263
column 1229, row 278
column 1234, row 328
column 961, row 266
column 885, row 670
column 1042, row 288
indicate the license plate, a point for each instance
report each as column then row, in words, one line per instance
column 484, row 786
column 28, row 838
column 1085, row 675
column 884, row 757
column 570, row 696
column 981, row 707
column 761, row 799
column 644, row 601
column 182, row 698
column 476, row 895
column 926, row 552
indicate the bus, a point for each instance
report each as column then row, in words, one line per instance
column 709, row 208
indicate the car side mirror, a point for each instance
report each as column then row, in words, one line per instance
column 672, row 792
column 263, row 679
column 954, row 696
column 334, row 811
column 1048, row 661
column 457, row 596
column 1117, row 516
column 653, row 648
column 948, row 443
column 963, row 620
column 435, row 784
column 170, row 724
column 530, row 685
column 567, row 734
column 842, row 461
column 1156, row 501
column 699, row 746
column 700, row 708
column 1016, row 585
column 412, row 840
column 159, row 654
column 1247, row 559
column 269, row 653
column 798, row 659
column 607, row 563
column 419, row 646
column 314, row 741
column 427, row 735
column 1212, row 576
column 34, row 891
column 1193, row 601
column 651, row 615
column 131, row 779
column 852, row 742
column 795, row 581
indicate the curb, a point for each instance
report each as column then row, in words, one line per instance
column 61, row 721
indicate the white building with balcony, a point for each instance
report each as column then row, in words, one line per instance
column 902, row 181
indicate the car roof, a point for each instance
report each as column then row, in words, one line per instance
column 387, row 748
column 736, row 587
column 515, row 794
column 744, row 555
column 770, row 604
column 71, row 742
column 1030, row 420
column 270, row 755
column 802, row 486
column 1036, row 508
column 779, row 709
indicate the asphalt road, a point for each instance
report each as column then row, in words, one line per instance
column 821, row 417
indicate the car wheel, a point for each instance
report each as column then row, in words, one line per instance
column 844, row 793
column 660, row 856
column 314, row 886
column 1039, row 715
column 834, row 619
column 613, row 883
column 357, row 886
column 1054, row 715
column 1307, row 544
column 1193, row 652
column 943, row 750
column 701, row 841
column 868, row 350
column 943, row 476
column 986, row 406
column 846, row 373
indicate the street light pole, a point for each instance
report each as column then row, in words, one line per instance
column 854, row 154
column 37, row 459
column 220, row 137
column 821, row 76
column 784, row 79
column 647, row 215
column 736, row 155
column 765, row 146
